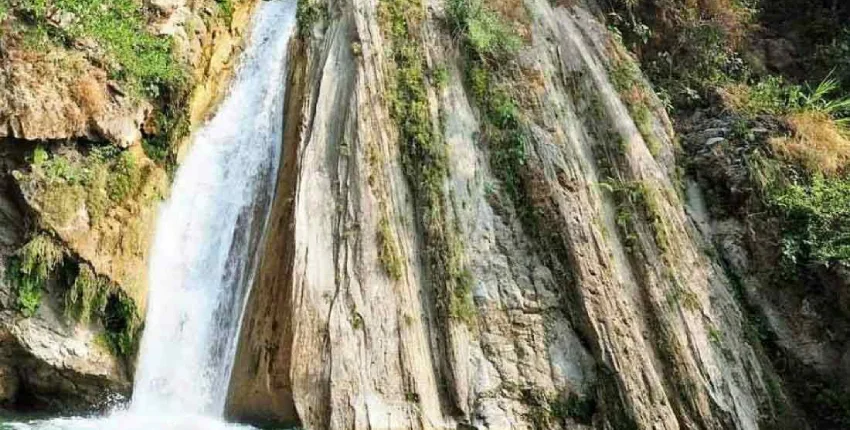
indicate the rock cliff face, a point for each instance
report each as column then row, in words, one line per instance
column 481, row 221
column 451, row 280
column 79, row 194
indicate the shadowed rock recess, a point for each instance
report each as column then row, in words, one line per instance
column 468, row 233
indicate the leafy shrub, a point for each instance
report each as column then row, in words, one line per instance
column 685, row 47
column 817, row 216
column 773, row 95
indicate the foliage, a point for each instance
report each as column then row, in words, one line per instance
column 131, row 53
column 29, row 270
column 834, row 56
column 226, row 7
column 388, row 250
column 104, row 178
column 121, row 323
column 490, row 43
column 86, row 298
column 686, row 47
column 172, row 124
column 625, row 76
column 817, row 215
column 39, row 156
column 486, row 33
column 91, row 297
column 307, row 13
column 634, row 199
column 424, row 156
column 124, row 177
column 773, row 95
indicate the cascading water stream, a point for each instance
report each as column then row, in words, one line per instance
column 207, row 235
column 204, row 253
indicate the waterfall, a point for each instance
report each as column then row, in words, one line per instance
column 208, row 231
column 204, row 252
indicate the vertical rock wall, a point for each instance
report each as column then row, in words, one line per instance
column 602, row 309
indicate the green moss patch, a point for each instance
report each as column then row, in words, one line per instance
column 98, row 181
column 425, row 158
column 29, row 270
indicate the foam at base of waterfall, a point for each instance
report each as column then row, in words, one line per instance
column 124, row 420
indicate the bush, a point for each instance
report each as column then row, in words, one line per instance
column 685, row 47
column 817, row 219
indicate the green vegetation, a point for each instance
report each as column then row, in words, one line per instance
column 802, row 178
column 388, row 250
column 685, row 47
column 121, row 323
column 307, row 13
column 172, row 124
column 441, row 76
column 117, row 39
column 638, row 199
column 131, row 53
column 816, row 213
column 87, row 296
column 773, row 95
column 490, row 45
column 424, row 158
column 226, row 7
column 777, row 72
column 555, row 411
column 29, row 270
column 625, row 76
column 485, row 34
column 100, row 180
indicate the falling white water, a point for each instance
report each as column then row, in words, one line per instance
column 205, row 247
column 207, row 234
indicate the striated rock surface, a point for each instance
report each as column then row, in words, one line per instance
column 596, row 301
